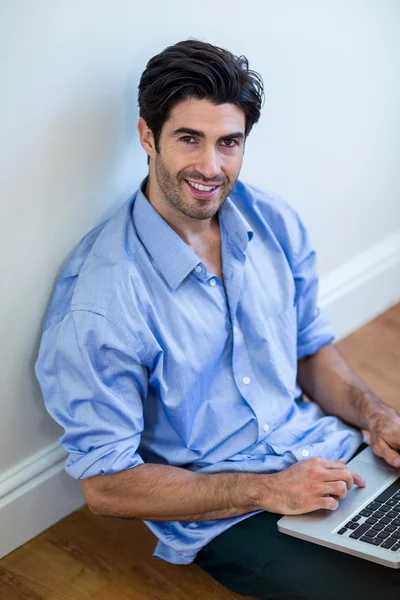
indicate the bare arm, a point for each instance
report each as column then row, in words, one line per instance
column 327, row 378
column 164, row 493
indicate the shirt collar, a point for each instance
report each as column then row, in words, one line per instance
column 173, row 257
column 235, row 224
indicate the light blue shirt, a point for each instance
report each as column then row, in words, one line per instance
column 147, row 357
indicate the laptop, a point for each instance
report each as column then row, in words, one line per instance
column 367, row 522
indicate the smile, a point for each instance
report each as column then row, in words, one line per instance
column 202, row 188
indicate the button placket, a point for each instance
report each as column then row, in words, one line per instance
column 248, row 385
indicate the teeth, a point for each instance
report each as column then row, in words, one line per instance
column 202, row 188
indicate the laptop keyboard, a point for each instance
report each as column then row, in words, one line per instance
column 379, row 522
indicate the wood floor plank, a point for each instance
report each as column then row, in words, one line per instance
column 91, row 557
column 373, row 352
column 12, row 587
column 52, row 573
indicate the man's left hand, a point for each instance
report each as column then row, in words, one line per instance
column 384, row 427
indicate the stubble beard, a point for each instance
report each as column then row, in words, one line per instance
column 174, row 191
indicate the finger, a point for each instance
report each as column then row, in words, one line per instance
column 338, row 489
column 382, row 449
column 342, row 474
column 358, row 480
column 334, row 464
column 329, row 503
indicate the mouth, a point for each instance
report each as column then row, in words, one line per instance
column 201, row 191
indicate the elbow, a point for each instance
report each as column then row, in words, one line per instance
column 94, row 500
column 94, row 508
column 98, row 506
column 103, row 505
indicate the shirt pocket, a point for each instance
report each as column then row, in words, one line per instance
column 280, row 343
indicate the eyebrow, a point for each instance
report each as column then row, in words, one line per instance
column 201, row 134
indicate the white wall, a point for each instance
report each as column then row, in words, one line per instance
column 328, row 141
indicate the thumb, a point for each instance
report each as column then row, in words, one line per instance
column 382, row 449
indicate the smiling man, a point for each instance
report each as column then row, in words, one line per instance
column 196, row 170
column 180, row 339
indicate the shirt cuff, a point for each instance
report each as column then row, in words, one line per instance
column 317, row 334
column 101, row 461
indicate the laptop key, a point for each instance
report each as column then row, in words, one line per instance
column 391, row 514
column 388, row 543
column 386, row 494
column 383, row 534
column 365, row 513
column 396, row 534
column 374, row 541
column 378, row 526
column 351, row 525
column 371, row 533
column 356, row 518
column 385, row 521
column 373, row 506
column 395, row 547
column 397, row 496
column 391, row 502
column 359, row 532
column 390, row 528
column 396, row 522
column 342, row 531
column 384, row 508
column 371, row 520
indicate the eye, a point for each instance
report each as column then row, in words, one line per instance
column 229, row 144
column 186, row 139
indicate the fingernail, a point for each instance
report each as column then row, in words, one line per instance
column 396, row 463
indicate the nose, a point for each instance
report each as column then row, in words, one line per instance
column 208, row 163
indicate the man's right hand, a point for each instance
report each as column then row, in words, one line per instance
column 309, row 485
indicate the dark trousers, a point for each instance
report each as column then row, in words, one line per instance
column 255, row 559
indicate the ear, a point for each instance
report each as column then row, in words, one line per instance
column 146, row 137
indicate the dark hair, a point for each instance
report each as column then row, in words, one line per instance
column 195, row 69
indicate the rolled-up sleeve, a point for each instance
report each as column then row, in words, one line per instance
column 93, row 385
column 314, row 329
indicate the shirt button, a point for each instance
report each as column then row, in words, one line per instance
column 213, row 282
column 305, row 453
column 246, row 380
column 266, row 427
column 198, row 269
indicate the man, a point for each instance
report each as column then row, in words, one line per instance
column 180, row 338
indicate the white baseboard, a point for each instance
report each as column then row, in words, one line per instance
column 34, row 495
column 38, row 493
column 363, row 288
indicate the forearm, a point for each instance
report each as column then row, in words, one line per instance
column 163, row 493
column 327, row 378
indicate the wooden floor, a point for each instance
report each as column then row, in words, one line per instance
column 89, row 557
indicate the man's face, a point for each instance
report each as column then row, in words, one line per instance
column 202, row 144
